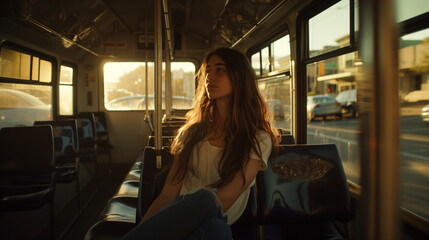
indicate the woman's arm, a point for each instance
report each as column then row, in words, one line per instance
column 231, row 191
column 170, row 191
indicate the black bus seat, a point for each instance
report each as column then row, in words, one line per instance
column 87, row 145
column 129, row 189
column 27, row 169
column 123, row 211
column 103, row 141
column 66, row 147
column 120, row 208
column 166, row 141
column 133, row 174
column 286, row 139
column 146, row 193
column 302, row 189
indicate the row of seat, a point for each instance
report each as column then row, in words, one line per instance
column 35, row 158
column 302, row 191
column 125, row 207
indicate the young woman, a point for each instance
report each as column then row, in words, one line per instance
column 226, row 140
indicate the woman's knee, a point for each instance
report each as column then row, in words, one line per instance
column 212, row 229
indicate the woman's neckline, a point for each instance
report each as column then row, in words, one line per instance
column 211, row 145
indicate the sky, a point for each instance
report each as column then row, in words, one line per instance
column 333, row 23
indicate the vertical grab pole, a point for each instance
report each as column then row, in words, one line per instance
column 379, row 213
column 158, row 82
column 146, row 68
column 168, row 92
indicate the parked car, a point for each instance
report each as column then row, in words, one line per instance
column 322, row 106
column 348, row 100
column 276, row 107
column 425, row 113
column 416, row 96
column 18, row 108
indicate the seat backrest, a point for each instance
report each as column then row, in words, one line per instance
column 100, row 122
column 86, row 133
column 26, row 150
column 166, row 141
column 304, row 183
column 65, row 137
column 88, row 117
column 287, row 139
column 149, row 173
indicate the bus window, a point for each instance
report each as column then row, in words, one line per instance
column 21, row 105
column 277, row 94
column 330, row 29
column 280, row 54
column 256, row 63
column 183, row 84
column 336, row 122
column 414, row 121
column 410, row 8
column 66, row 91
column 124, row 85
column 335, row 77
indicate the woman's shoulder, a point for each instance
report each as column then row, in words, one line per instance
column 263, row 136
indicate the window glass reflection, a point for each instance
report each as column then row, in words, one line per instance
column 414, row 118
column 277, row 94
column 22, row 104
column 332, row 108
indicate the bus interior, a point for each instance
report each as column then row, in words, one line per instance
column 92, row 93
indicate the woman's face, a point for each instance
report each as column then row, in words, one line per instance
column 218, row 85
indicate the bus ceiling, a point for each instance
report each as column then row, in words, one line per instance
column 95, row 26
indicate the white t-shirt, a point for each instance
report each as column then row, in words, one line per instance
column 205, row 164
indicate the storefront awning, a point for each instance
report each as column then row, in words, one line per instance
column 337, row 76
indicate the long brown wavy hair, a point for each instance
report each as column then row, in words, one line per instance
column 248, row 115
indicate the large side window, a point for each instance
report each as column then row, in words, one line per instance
column 414, row 106
column 125, row 85
column 332, row 99
column 25, row 87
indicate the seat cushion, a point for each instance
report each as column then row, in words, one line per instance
column 121, row 209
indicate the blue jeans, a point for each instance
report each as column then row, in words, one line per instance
column 193, row 216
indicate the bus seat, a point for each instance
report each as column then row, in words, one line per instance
column 27, row 169
column 147, row 180
column 66, row 146
column 305, row 185
column 87, row 145
column 120, row 208
column 133, row 174
column 166, row 141
column 103, row 141
column 287, row 139
column 129, row 188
